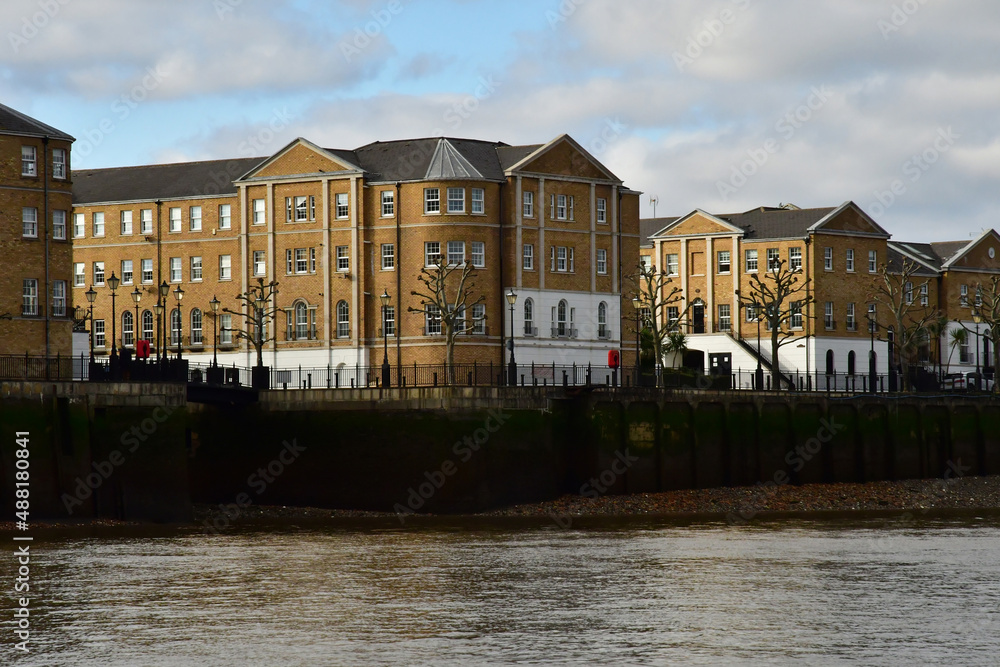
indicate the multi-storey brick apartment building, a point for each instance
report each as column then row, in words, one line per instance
column 35, row 203
column 840, row 251
column 338, row 228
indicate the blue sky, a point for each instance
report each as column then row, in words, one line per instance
column 722, row 105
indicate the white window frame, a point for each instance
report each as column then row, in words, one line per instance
column 225, row 216
column 925, row 295
column 602, row 261
column 194, row 218
column 725, row 314
column 828, row 259
column 849, row 260
column 343, row 259
column 176, row 270
column 29, row 297
column 343, row 310
column 259, row 212
column 727, row 262
column 773, row 258
column 456, row 253
column 528, row 204
column 432, row 320
column 456, row 200
column 477, row 201
column 79, row 274
column 126, row 223
column 388, row 254
column 795, row 259
column 260, row 262
column 528, row 257
column 143, row 269
column 59, row 298
column 29, row 222
column 872, row 261
column 79, row 225
column 751, row 256
column 176, row 218
column 828, row 322
column 673, row 264
column 146, row 221
column 59, row 225
column 197, row 269
column 128, row 275
column 225, row 329
column 343, row 206
column 59, row 164
column 98, row 274
column 477, row 254
column 479, row 319
column 602, row 211
column 98, row 330
column 225, row 267
column 432, row 201
column 29, row 161
column 388, row 204
column 98, row 224
column 851, row 319
column 432, row 253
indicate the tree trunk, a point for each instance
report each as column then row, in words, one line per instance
column 775, row 369
column 450, row 354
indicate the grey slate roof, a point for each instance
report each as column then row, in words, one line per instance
column 650, row 226
column 511, row 155
column 948, row 249
column 413, row 159
column 161, row 181
column 777, row 223
column 15, row 122
column 924, row 252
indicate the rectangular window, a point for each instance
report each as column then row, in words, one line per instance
column 79, row 225
column 343, row 260
column 602, row 211
column 456, row 200
column 724, row 261
column 751, row 313
column 725, row 317
column 312, row 211
column 196, row 269
column 146, row 221
column 432, row 319
column 29, row 222
column 456, row 252
column 478, row 254
column 126, row 272
column 849, row 261
column 529, row 204
column 79, row 274
column 561, row 257
column 99, row 273
column 963, row 298
column 773, row 259
column 602, row 261
column 751, row 261
column 872, row 261
column 225, row 267
column 225, row 328
column 259, row 212
column 872, row 318
column 29, row 161
column 59, row 163
column 795, row 259
column 98, row 219
column 828, row 259
column 979, row 297
column 225, row 216
column 259, row 263
column 478, row 200
column 147, row 270
column 175, row 220
column 59, row 298
column 673, row 317
column 796, row 310
column 289, row 262
column 908, row 292
column 432, row 253
column 528, row 255
column 673, row 264
column 388, row 257
column 98, row 331
column 852, row 323
column 175, row 269
column 194, row 218
column 29, row 301
column 432, row 200
column 59, row 225
column 389, row 318
column 126, row 222
column 479, row 319
column 298, row 209
column 388, row 203
column 561, row 207
column 828, row 315
column 924, row 295
column 312, row 260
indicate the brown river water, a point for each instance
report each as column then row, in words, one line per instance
column 618, row 592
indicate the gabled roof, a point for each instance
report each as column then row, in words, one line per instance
column 650, row 226
column 15, row 122
column 961, row 252
column 921, row 254
column 945, row 250
column 511, row 155
column 160, row 181
column 335, row 156
column 563, row 138
column 777, row 223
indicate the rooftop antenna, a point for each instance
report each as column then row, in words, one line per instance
column 653, row 201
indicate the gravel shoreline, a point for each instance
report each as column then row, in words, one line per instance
column 737, row 504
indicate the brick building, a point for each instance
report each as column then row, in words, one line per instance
column 337, row 228
column 840, row 251
column 35, row 204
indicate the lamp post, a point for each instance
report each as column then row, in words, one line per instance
column 759, row 375
column 386, row 373
column 977, row 317
column 638, row 312
column 872, row 373
column 164, row 292
column 91, row 295
column 113, row 283
column 179, row 295
column 214, row 304
column 258, row 316
column 511, row 365
column 158, row 309
column 136, row 298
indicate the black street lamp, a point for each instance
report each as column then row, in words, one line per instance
column 386, row 372
column 258, row 316
column 759, row 376
column 179, row 295
column 162, row 310
column 158, row 309
column 638, row 311
column 136, row 298
column 511, row 365
column 113, row 283
column 214, row 304
column 977, row 317
column 91, row 295
column 872, row 371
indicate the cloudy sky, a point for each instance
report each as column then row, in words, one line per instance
column 722, row 105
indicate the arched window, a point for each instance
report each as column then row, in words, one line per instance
column 829, row 362
column 343, row 320
column 561, row 311
column 196, row 318
column 175, row 326
column 147, row 325
column 602, row 321
column 529, row 317
column 301, row 321
column 851, row 358
column 128, row 329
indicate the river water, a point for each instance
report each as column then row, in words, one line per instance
column 878, row 592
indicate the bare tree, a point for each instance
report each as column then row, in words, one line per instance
column 447, row 300
column 780, row 300
column 987, row 307
column 656, row 292
column 258, row 309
